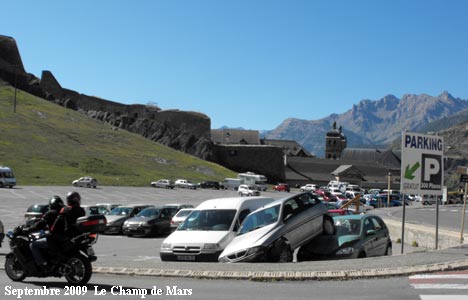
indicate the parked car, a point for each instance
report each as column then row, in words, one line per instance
column 119, row 215
column 208, row 229
column 231, row 183
column 247, row 190
column 281, row 187
column 185, row 184
column 163, row 183
column 308, row 187
column 340, row 212
column 35, row 211
column 210, row 185
column 177, row 206
column 180, row 217
column 273, row 232
column 94, row 210
column 85, row 182
column 357, row 236
column 150, row 221
column 382, row 201
column 107, row 206
column 2, row 233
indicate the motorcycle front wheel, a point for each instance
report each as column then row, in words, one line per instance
column 13, row 268
column 80, row 270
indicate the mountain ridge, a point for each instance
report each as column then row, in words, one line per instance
column 372, row 123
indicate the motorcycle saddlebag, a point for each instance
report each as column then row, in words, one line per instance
column 93, row 223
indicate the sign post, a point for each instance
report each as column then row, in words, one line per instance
column 422, row 169
column 463, row 178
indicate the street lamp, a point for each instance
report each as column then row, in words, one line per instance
column 14, row 100
column 388, row 190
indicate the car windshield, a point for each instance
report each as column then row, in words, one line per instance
column 260, row 219
column 347, row 227
column 149, row 212
column 209, row 220
column 183, row 213
column 121, row 211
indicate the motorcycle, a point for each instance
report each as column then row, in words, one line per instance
column 72, row 259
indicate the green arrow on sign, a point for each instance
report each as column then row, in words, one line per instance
column 409, row 171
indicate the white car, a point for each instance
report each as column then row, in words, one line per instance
column 185, row 184
column 180, row 217
column 85, row 182
column 208, row 229
column 163, row 183
column 308, row 187
column 247, row 190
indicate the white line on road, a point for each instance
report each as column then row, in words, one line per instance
column 443, row 297
column 439, row 276
column 429, row 286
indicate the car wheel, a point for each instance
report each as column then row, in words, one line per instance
column 362, row 254
column 328, row 226
column 285, row 253
column 281, row 252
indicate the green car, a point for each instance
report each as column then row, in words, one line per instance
column 357, row 236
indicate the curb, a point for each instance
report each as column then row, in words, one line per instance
column 287, row 275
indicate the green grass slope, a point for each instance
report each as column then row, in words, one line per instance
column 46, row 144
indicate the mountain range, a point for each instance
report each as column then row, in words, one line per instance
column 377, row 123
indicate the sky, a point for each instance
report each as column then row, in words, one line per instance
column 245, row 63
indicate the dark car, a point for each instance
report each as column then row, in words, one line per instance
column 35, row 211
column 281, row 187
column 150, row 221
column 357, row 236
column 210, row 185
column 117, row 217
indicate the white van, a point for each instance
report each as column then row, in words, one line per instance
column 7, row 178
column 231, row 183
column 209, row 228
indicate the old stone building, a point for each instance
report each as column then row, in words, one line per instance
column 335, row 143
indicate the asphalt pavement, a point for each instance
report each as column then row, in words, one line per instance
column 411, row 262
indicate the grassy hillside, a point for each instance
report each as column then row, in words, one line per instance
column 47, row 144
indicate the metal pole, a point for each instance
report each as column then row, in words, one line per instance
column 403, row 226
column 437, row 223
column 14, row 100
column 463, row 214
column 388, row 190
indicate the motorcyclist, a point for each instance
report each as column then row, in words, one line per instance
column 45, row 222
column 64, row 227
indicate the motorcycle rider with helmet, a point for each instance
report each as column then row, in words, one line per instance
column 64, row 227
column 46, row 221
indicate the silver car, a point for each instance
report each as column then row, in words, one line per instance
column 273, row 232
column 85, row 182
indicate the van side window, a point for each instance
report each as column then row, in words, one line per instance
column 241, row 218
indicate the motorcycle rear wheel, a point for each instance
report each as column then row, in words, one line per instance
column 80, row 270
column 13, row 268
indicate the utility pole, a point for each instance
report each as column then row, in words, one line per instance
column 14, row 100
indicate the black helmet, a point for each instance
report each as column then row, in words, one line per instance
column 73, row 199
column 55, row 203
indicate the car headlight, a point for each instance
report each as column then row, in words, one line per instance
column 345, row 251
column 165, row 246
column 211, row 247
column 254, row 250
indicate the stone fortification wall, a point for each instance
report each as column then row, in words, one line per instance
column 185, row 131
column 266, row 160
column 12, row 69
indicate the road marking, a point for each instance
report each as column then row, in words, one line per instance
column 439, row 276
column 440, row 286
column 442, row 297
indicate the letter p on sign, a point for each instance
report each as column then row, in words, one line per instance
column 432, row 167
